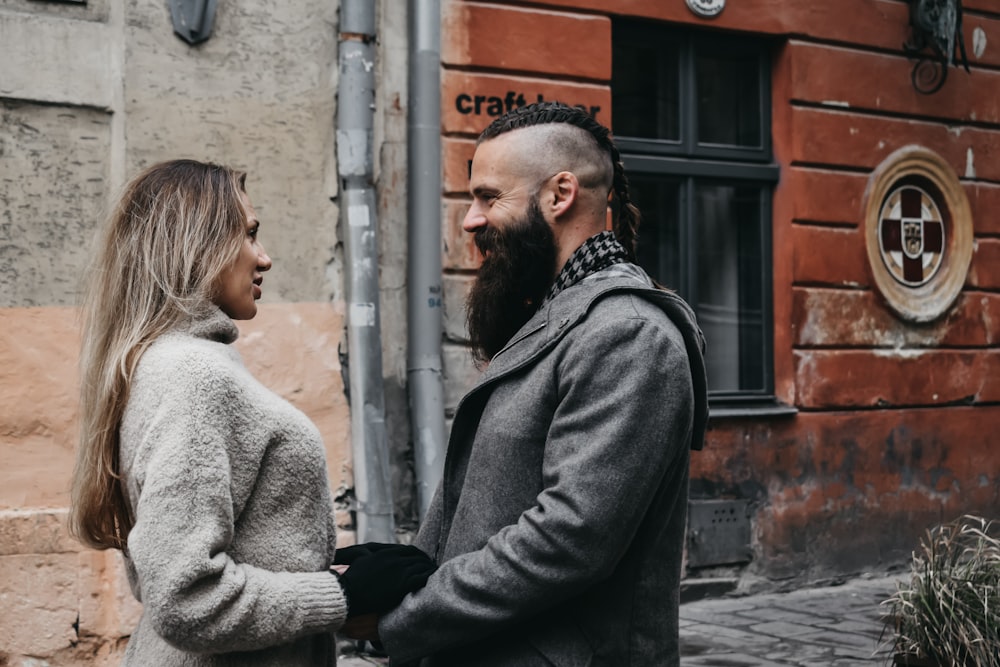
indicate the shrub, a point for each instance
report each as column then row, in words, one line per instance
column 949, row 611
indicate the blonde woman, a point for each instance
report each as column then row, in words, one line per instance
column 212, row 486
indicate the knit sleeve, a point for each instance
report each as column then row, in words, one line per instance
column 192, row 453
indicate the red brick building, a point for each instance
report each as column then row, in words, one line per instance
column 834, row 228
column 852, row 407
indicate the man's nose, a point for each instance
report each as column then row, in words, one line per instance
column 475, row 218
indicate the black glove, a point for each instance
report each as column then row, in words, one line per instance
column 379, row 581
column 348, row 555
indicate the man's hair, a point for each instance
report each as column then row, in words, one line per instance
column 626, row 215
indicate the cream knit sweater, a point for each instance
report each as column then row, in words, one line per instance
column 234, row 529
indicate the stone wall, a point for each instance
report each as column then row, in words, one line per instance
column 90, row 93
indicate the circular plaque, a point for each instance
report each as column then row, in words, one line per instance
column 911, row 235
column 918, row 233
column 707, row 8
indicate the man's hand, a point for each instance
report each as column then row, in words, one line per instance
column 364, row 627
column 379, row 581
column 347, row 555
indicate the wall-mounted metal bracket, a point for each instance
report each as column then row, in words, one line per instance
column 193, row 19
column 936, row 25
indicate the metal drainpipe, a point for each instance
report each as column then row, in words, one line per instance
column 424, row 248
column 355, row 111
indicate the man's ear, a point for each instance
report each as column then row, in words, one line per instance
column 564, row 188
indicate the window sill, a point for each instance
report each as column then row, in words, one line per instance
column 762, row 410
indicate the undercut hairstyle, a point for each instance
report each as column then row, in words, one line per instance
column 177, row 227
column 626, row 216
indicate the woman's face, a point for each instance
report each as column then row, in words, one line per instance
column 240, row 284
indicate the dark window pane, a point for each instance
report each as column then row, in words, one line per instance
column 644, row 98
column 728, row 98
column 704, row 228
column 659, row 248
column 729, row 295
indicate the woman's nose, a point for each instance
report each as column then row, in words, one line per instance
column 263, row 260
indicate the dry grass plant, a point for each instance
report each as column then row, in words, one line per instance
column 949, row 611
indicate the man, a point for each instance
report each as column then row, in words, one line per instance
column 559, row 523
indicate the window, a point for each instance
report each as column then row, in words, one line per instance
column 691, row 114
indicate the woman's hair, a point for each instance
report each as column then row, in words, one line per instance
column 177, row 227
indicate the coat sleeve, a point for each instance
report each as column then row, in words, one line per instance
column 624, row 412
column 192, row 464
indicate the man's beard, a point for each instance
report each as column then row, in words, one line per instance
column 518, row 264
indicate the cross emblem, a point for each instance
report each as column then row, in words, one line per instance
column 911, row 235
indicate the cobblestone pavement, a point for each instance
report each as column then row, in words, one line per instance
column 833, row 626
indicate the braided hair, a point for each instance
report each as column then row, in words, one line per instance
column 626, row 216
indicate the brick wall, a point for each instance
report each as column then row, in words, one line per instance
column 896, row 420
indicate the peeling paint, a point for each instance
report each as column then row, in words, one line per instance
column 978, row 42
column 836, row 103
column 899, row 353
column 987, row 319
column 970, row 167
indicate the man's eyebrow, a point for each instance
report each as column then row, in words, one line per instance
column 483, row 191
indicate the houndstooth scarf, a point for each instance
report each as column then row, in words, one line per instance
column 598, row 252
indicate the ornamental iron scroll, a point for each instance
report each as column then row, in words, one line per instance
column 918, row 233
column 936, row 25
column 193, row 19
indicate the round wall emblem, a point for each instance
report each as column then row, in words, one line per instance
column 707, row 8
column 911, row 235
column 918, row 232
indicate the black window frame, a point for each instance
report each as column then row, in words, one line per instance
column 691, row 162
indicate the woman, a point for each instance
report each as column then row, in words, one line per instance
column 212, row 486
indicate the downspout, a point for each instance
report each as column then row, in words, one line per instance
column 355, row 112
column 425, row 295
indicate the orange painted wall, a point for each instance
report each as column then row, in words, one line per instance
column 895, row 425
column 73, row 605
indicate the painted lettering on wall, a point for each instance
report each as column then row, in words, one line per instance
column 496, row 105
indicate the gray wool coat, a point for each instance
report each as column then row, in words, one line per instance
column 559, row 522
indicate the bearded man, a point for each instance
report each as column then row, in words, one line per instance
column 558, row 526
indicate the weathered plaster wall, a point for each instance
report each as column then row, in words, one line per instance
column 259, row 95
column 89, row 95
column 54, row 164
